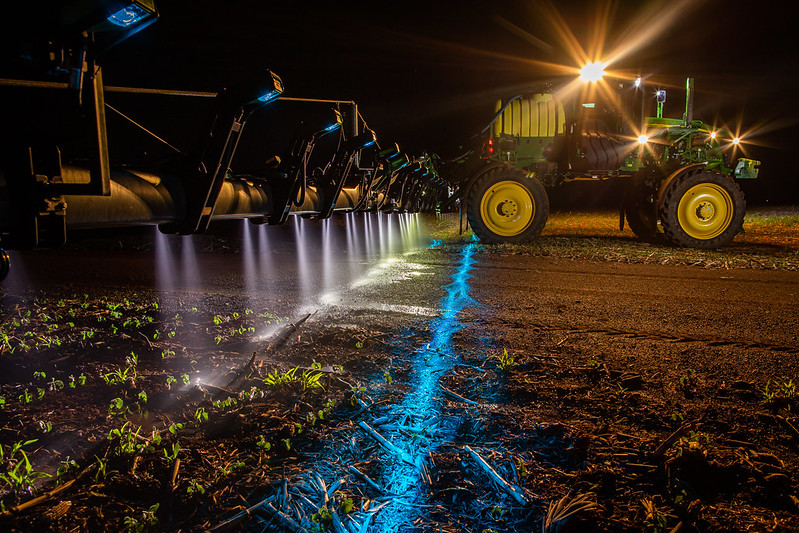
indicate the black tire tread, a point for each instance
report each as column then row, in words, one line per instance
column 500, row 174
column 671, row 199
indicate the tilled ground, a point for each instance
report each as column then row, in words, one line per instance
column 201, row 413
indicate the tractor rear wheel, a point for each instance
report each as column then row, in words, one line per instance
column 5, row 264
column 507, row 205
column 703, row 209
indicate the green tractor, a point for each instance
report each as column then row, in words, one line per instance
column 677, row 184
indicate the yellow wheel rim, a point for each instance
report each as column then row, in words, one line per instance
column 705, row 211
column 507, row 208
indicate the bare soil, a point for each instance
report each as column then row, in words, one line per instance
column 599, row 412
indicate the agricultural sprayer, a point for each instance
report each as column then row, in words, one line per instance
column 58, row 169
column 678, row 183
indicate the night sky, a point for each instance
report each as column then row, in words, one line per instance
column 426, row 75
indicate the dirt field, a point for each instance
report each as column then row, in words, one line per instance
column 586, row 382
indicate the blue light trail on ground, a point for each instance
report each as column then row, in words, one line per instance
column 421, row 407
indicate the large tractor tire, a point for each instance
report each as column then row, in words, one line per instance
column 5, row 264
column 507, row 205
column 641, row 211
column 702, row 209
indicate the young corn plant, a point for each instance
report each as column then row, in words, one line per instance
column 127, row 440
column 17, row 472
column 505, row 361
column 278, row 378
column 200, row 415
column 311, row 379
column 145, row 521
column 66, row 465
column 172, row 453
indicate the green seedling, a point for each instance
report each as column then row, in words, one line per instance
column 263, row 444
column 102, row 469
column 147, row 520
column 127, row 439
column 323, row 517
column 347, row 505
column 277, row 378
column 505, row 362
column 226, row 403
column 200, row 415
column 65, row 466
column 311, row 380
column 172, row 453
column 117, row 407
column 118, row 376
column 195, row 488
column 691, row 441
column 19, row 475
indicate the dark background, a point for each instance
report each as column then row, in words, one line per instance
column 426, row 75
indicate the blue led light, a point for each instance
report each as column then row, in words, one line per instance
column 333, row 127
column 128, row 16
column 268, row 97
column 370, row 143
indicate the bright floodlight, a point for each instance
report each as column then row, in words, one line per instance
column 642, row 139
column 712, row 134
column 592, row 72
column 736, row 140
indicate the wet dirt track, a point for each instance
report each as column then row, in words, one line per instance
column 603, row 362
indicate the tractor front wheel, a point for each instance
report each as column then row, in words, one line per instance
column 703, row 209
column 5, row 264
column 507, row 205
